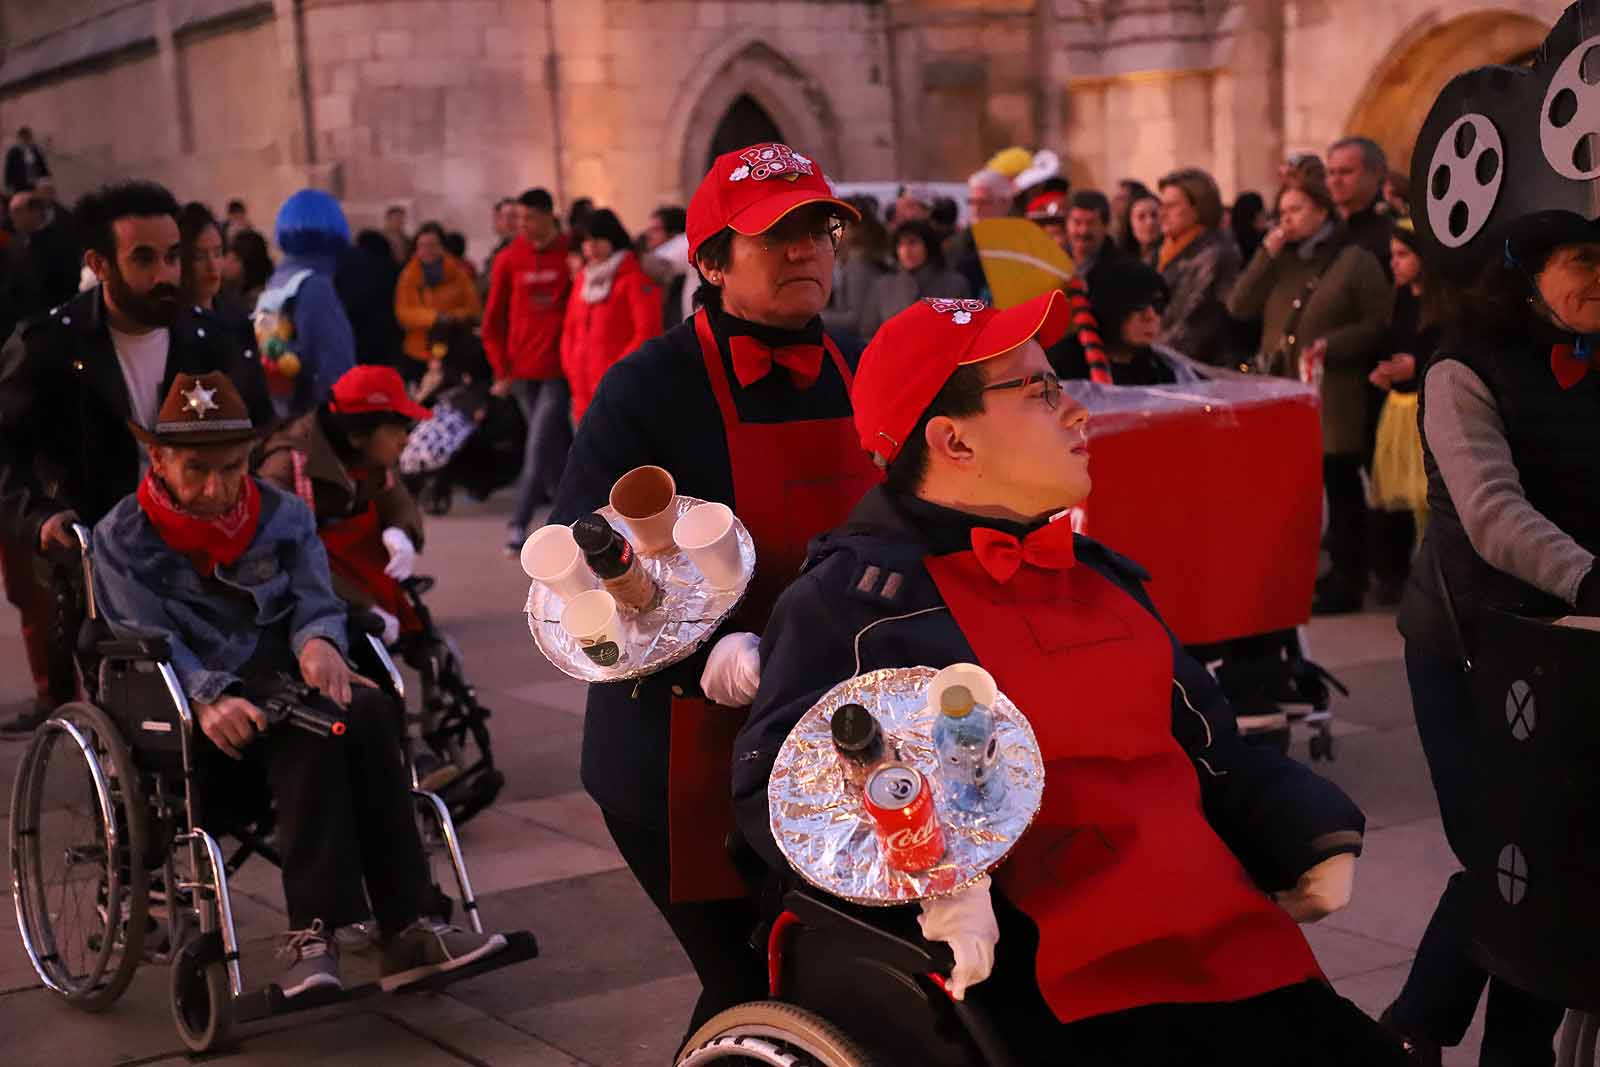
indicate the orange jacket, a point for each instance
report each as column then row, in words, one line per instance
column 418, row 306
column 595, row 336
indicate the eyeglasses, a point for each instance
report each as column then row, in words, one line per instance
column 1052, row 387
column 824, row 234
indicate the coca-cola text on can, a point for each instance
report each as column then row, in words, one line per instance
column 901, row 805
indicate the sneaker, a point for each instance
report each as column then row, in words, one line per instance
column 428, row 947
column 515, row 535
column 1418, row 1049
column 27, row 719
column 313, row 961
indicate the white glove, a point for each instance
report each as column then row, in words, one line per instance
column 402, row 554
column 966, row 923
column 733, row 671
column 391, row 625
column 1321, row 891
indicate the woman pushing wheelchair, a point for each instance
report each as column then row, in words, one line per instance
column 1148, row 914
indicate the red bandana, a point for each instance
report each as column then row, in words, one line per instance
column 208, row 543
column 1568, row 367
column 1001, row 555
column 753, row 360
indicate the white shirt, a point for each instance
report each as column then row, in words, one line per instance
column 143, row 358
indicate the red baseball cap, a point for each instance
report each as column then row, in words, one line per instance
column 1048, row 206
column 751, row 189
column 915, row 353
column 370, row 387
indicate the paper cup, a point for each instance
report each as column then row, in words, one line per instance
column 979, row 682
column 551, row 557
column 707, row 536
column 592, row 621
column 643, row 498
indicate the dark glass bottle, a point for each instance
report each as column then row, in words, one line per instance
column 858, row 740
column 614, row 562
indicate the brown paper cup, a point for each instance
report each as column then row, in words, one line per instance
column 644, row 499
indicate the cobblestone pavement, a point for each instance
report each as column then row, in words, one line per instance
column 611, row 988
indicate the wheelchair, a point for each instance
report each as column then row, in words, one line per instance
column 847, row 991
column 450, row 722
column 84, row 849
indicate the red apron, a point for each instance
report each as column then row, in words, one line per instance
column 356, row 554
column 1137, row 899
column 791, row 482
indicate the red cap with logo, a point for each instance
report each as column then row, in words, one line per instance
column 751, row 189
column 369, row 388
column 1047, row 206
column 915, row 353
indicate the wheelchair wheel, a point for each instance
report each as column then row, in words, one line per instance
column 772, row 1034
column 78, row 826
column 198, row 992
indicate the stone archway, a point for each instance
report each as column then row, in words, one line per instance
column 745, row 122
column 746, row 68
column 1392, row 107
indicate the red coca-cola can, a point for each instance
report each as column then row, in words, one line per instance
column 901, row 806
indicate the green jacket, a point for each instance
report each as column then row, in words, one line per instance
column 1349, row 308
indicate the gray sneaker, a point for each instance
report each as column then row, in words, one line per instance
column 313, row 961
column 427, row 947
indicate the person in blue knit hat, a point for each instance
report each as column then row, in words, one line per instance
column 306, row 338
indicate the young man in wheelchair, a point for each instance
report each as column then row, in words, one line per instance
column 231, row 573
column 1135, row 922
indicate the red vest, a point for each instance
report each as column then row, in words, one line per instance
column 1137, row 899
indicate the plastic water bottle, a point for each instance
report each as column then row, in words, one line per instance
column 968, row 752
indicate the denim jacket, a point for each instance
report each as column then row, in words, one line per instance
column 143, row 588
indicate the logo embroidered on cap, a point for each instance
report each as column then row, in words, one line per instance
column 377, row 398
column 200, row 400
column 960, row 311
column 765, row 161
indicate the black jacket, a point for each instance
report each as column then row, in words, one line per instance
column 1277, row 816
column 64, row 440
column 655, row 406
column 17, row 169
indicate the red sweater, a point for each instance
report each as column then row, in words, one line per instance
column 598, row 335
column 527, row 299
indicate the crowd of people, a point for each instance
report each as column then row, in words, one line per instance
column 824, row 363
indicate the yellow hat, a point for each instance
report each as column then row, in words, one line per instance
column 1010, row 161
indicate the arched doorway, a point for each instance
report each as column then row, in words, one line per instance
column 742, row 93
column 744, row 123
column 1404, row 86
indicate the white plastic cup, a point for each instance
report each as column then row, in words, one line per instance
column 645, row 499
column 591, row 619
column 707, row 536
column 551, row 557
column 979, row 682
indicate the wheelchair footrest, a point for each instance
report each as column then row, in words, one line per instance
column 521, row 946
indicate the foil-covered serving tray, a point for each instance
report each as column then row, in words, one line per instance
column 690, row 611
column 821, row 823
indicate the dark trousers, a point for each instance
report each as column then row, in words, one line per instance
column 1301, row 1025
column 715, row 935
column 345, row 815
column 545, row 406
column 1442, row 992
column 1392, row 537
column 55, row 680
column 1347, row 515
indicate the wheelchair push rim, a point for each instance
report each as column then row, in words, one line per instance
column 77, row 845
column 772, row 1034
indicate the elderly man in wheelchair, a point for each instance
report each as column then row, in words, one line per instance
column 230, row 574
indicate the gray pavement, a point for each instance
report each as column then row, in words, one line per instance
column 611, row 988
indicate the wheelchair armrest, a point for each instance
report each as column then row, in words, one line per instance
column 912, row 956
column 150, row 648
column 365, row 622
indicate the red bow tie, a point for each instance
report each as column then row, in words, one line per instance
column 1568, row 367
column 753, row 360
column 1001, row 555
